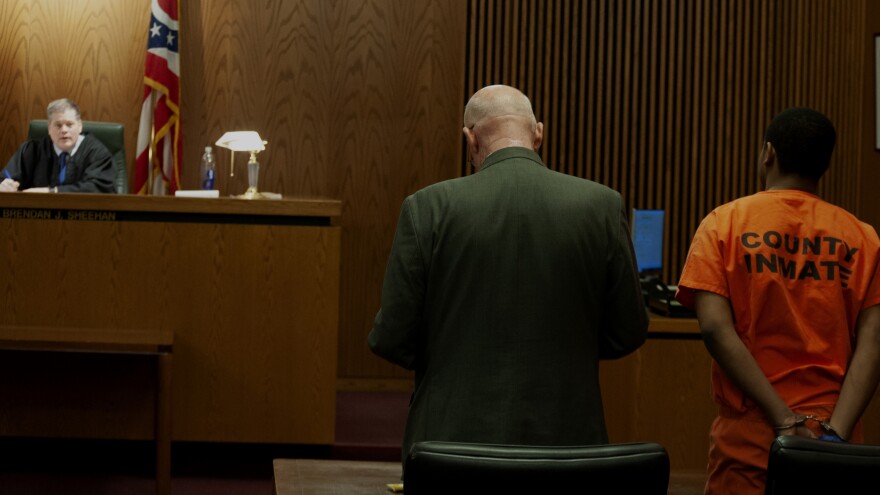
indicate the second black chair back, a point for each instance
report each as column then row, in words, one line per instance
column 455, row 468
column 803, row 466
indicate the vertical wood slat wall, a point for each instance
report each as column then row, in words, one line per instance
column 666, row 100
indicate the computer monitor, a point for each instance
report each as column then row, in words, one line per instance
column 647, row 234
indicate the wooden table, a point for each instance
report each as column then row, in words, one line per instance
column 120, row 342
column 250, row 290
column 326, row 477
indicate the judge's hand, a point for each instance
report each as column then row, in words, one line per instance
column 8, row 185
column 37, row 190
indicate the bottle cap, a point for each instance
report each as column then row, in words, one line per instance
column 208, row 149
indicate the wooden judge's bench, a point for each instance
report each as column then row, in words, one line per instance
column 249, row 290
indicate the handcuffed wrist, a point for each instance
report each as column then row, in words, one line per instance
column 830, row 431
column 799, row 420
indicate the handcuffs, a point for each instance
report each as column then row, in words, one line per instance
column 830, row 434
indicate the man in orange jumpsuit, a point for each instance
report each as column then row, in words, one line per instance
column 786, row 290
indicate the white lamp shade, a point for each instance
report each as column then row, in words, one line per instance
column 242, row 141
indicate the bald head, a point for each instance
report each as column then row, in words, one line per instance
column 497, row 101
column 499, row 117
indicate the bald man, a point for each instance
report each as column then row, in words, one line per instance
column 504, row 289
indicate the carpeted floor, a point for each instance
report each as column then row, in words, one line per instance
column 369, row 426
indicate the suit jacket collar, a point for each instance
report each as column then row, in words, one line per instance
column 512, row 152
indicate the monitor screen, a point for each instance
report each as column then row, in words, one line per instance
column 647, row 234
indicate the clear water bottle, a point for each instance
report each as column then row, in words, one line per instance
column 208, row 170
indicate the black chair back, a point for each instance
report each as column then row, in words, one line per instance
column 111, row 134
column 449, row 467
column 802, row 466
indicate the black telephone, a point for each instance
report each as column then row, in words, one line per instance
column 660, row 298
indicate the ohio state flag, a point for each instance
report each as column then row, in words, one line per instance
column 159, row 146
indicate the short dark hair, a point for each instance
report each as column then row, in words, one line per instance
column 804, row 140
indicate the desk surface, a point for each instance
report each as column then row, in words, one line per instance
column 289, row 206
column 94, row 339
column 310, row 476
column 664, row 324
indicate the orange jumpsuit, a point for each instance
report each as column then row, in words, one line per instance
column 797, row 271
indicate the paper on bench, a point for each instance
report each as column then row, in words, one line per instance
column 198, row 193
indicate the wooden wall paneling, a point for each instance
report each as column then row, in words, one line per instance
column 601, row 129
column 696, row 153
column 511, row 18
column 723, row 146
column 867, row 19
column 617, row 87
column 664, row 162
column 561, row 41
column 677, row 109
column 592, row 83
column 869, row 172
column 855, row 106
column 346, row 94
column 646, row 185
column 566, row 91
column 579, row 137
column 712, row 164
column 203, row 88
column 692, row 156
column 747, row 133
column 549, row 101
column 388, row 141
column 14, row 19
column 739, row 68
column 654, row 183
column 513, row 46
column 362, row 53
column 820, row 83
column 542, row 58
column 446, row 111
column 852, row 87
column 629, row 134
column 46, row 36
column 497, row 56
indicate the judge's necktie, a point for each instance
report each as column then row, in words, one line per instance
column 63, row 173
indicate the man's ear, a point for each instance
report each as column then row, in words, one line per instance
column 472, row 144
column 768, row 154
column 539, row 136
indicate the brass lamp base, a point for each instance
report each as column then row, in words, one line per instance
column 251, row 193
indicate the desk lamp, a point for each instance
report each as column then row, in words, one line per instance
column 251, row 142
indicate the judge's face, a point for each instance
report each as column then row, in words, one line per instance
column 64, row 129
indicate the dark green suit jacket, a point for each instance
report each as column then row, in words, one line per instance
column 503, row 291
